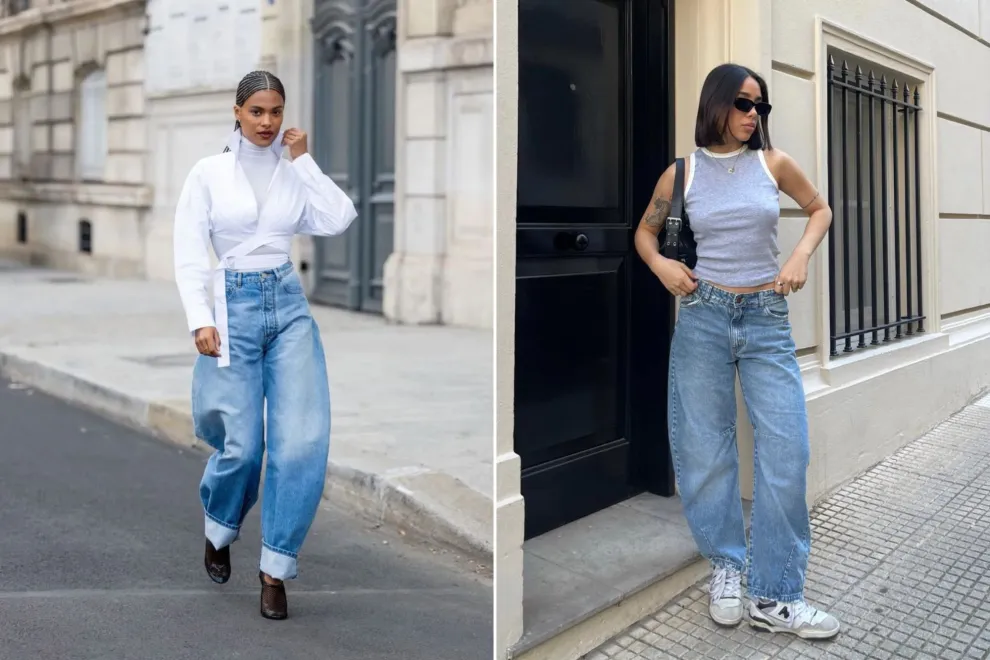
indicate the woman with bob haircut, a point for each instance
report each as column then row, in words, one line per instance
column 733, row 317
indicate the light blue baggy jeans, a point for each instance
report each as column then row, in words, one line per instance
column 276, row 358
column 718, row 333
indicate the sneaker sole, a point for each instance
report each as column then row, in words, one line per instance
column 725, row 623
column 803, row 633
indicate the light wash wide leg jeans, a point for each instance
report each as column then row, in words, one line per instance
column 276, row 359
column 718, row 334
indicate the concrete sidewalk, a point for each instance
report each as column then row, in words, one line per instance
column 411, row 440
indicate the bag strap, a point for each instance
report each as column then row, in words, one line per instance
column 675, row 222
column 677, row 201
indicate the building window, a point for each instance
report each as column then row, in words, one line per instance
column 91, row 127
column 22, row 227
column 874, row 247
column 13, row 7
column 85, row 236
column 22, row 130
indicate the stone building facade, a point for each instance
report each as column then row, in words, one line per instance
column 396, row 95
column 398, row 98
column 441, row 269
column 73, row 153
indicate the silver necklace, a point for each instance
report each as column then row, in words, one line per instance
column 732, row 168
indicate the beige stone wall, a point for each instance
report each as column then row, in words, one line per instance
column 182, row 128
column 441, row 268
column 944, row 46
column 46, row 52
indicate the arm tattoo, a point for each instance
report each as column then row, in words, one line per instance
column 812, row 199
column 660, row 212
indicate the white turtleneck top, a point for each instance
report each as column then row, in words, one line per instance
column 259, row 165
column 217, row 206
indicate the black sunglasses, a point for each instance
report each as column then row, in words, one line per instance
column 745, row 105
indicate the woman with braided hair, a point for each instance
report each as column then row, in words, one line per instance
column 260, row 349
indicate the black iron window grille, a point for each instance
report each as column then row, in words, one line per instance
column 874, row 246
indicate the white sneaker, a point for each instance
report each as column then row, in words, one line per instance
column 797, row 618
column 725, row 605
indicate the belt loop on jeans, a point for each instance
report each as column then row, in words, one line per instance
column 240, row 278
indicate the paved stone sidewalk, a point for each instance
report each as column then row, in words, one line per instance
column 901, row 555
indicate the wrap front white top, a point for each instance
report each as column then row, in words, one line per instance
column 217, row 208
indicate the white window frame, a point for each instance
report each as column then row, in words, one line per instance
column 847, row 368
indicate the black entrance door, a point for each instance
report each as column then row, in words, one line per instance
column 592, row 323
column 354, row 142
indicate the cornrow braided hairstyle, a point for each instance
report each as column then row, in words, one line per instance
column 256, row 81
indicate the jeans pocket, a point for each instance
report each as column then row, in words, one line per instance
column 292, row 284
column 776, row 308
column 690, row 300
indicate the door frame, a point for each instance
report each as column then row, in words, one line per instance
column 355, row 33
column 650, row 326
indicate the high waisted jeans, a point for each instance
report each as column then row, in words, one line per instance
column 718, row 333
column 276, row 358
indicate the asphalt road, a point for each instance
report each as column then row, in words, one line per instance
column 101, row 548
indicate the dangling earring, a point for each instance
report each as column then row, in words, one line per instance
column 763, row 138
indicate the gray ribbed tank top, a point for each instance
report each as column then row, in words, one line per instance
column 734, row 217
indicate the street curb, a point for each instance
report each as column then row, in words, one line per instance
column 385, row 499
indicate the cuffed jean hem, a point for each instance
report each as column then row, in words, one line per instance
column 769, row 595
column 219, row 534
column 277, row 564
column 718, row 562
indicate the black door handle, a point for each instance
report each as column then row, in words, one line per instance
column 566, row 240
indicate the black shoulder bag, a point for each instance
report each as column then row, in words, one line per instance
column 678, row 239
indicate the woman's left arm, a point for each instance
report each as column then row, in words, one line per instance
column 329, row 211
column 793, row 182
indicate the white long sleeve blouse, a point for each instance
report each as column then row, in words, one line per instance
column 217, row 202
